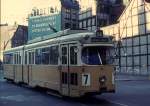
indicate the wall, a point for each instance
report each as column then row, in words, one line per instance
column 134, row 31
column 6, row 33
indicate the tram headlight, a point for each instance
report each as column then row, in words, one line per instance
column 103, row 79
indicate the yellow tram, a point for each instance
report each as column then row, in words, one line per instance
column 74, row 64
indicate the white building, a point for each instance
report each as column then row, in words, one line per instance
column 68, row 9
column 134, row 33
column 98, row 13
column 6, row 33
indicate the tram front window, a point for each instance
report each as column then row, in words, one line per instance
column 96, row 55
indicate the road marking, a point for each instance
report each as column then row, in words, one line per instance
column 117, row 103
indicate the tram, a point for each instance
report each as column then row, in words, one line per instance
column 73, row 64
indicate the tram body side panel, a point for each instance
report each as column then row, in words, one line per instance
column 64, row 81
column 26, row 74
column 9, row 71
column 75, row 72
column 92, row 83
column 44, row 76
column 18, row 73
column 70, row 81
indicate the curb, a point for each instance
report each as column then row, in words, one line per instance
column 132, row 79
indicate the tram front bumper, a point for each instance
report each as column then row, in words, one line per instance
column 110, row 89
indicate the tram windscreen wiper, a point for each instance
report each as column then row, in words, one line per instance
column 99, row 56
column 92, row 56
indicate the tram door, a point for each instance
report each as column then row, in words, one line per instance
column 66, row 51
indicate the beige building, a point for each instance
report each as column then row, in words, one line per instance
column 6, row 33
column 112, row 30
column 86, row 4
column 134, row 33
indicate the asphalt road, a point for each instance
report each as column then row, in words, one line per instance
column 129, row 93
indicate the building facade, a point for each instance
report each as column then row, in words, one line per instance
column 100, row 13
column 87, row 20
column 42, row 26
column 69, row 14
column 20, row 36
column 6, row 33
column 134, row 38
column 68, row 9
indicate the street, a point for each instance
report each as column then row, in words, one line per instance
column 128, row 93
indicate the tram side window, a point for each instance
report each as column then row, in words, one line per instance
column 54, row 53
column 38, row 56
column 64, row 55
column 73, row 55
column 31, row 57
column 45, row 55
column 8, row 58
column 26, row 57
column 17, row 58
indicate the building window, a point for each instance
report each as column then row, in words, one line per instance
column 141, row 19
column 89, row 22
column 67, row 16
column 80, row 25
column 93, row 21
column 84, row 23
column 142, row 29
column 74, row 26
column 80, row 16
column 67, row 25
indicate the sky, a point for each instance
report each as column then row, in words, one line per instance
column 14, row 10
column 18, row 10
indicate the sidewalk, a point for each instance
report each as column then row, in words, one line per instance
column 126, row 77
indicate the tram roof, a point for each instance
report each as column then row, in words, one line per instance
column 14, row 49
column 66, row 35
column 74, row 35
column 61, row 39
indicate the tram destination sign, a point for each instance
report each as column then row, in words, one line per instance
column 99, row 39
column 39, row 26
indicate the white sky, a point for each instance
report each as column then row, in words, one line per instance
column 14, row 10
column 18, row 10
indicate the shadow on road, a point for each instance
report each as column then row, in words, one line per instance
column 90, row 101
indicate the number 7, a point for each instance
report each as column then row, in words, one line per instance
column 86, row 79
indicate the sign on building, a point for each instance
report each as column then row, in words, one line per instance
column 40, row 26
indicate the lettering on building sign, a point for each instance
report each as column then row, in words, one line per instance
column 40, row 25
